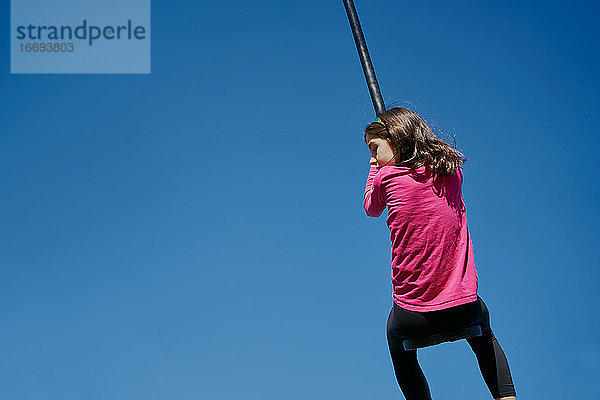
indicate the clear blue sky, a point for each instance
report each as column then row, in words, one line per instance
column 198, row 232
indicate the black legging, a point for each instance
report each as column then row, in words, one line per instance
column 411, row 324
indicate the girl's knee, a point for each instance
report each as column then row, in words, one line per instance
column 403, row 358
column 486, row 338
column 395, row 342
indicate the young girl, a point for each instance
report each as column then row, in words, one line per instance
column 419, row 178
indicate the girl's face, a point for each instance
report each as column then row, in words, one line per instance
column 381, row 152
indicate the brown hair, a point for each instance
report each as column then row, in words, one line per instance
column 413, row 142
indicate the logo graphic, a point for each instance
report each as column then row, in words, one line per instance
column 71, row 36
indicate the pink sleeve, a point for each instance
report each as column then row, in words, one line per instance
column 374, row 200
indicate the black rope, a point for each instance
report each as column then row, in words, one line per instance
column 365, row 60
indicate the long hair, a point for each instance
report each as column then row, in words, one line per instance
column 413, row 142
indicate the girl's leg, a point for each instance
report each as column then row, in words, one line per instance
column 493, row 365
column 491, row 358
column 409, row 375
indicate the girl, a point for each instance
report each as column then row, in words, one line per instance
column 419, row 177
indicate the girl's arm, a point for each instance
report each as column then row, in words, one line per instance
column 374, row 200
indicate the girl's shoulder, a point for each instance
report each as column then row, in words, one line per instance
column 421, row 174
column 396, row 168
column 399, row 170
column 391, row 173
column 393, row 170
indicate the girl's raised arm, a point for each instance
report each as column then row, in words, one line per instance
column 374, row 203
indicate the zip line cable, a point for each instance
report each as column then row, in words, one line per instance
column 365, row 60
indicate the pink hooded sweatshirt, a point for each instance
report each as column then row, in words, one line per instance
column 433, row 267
